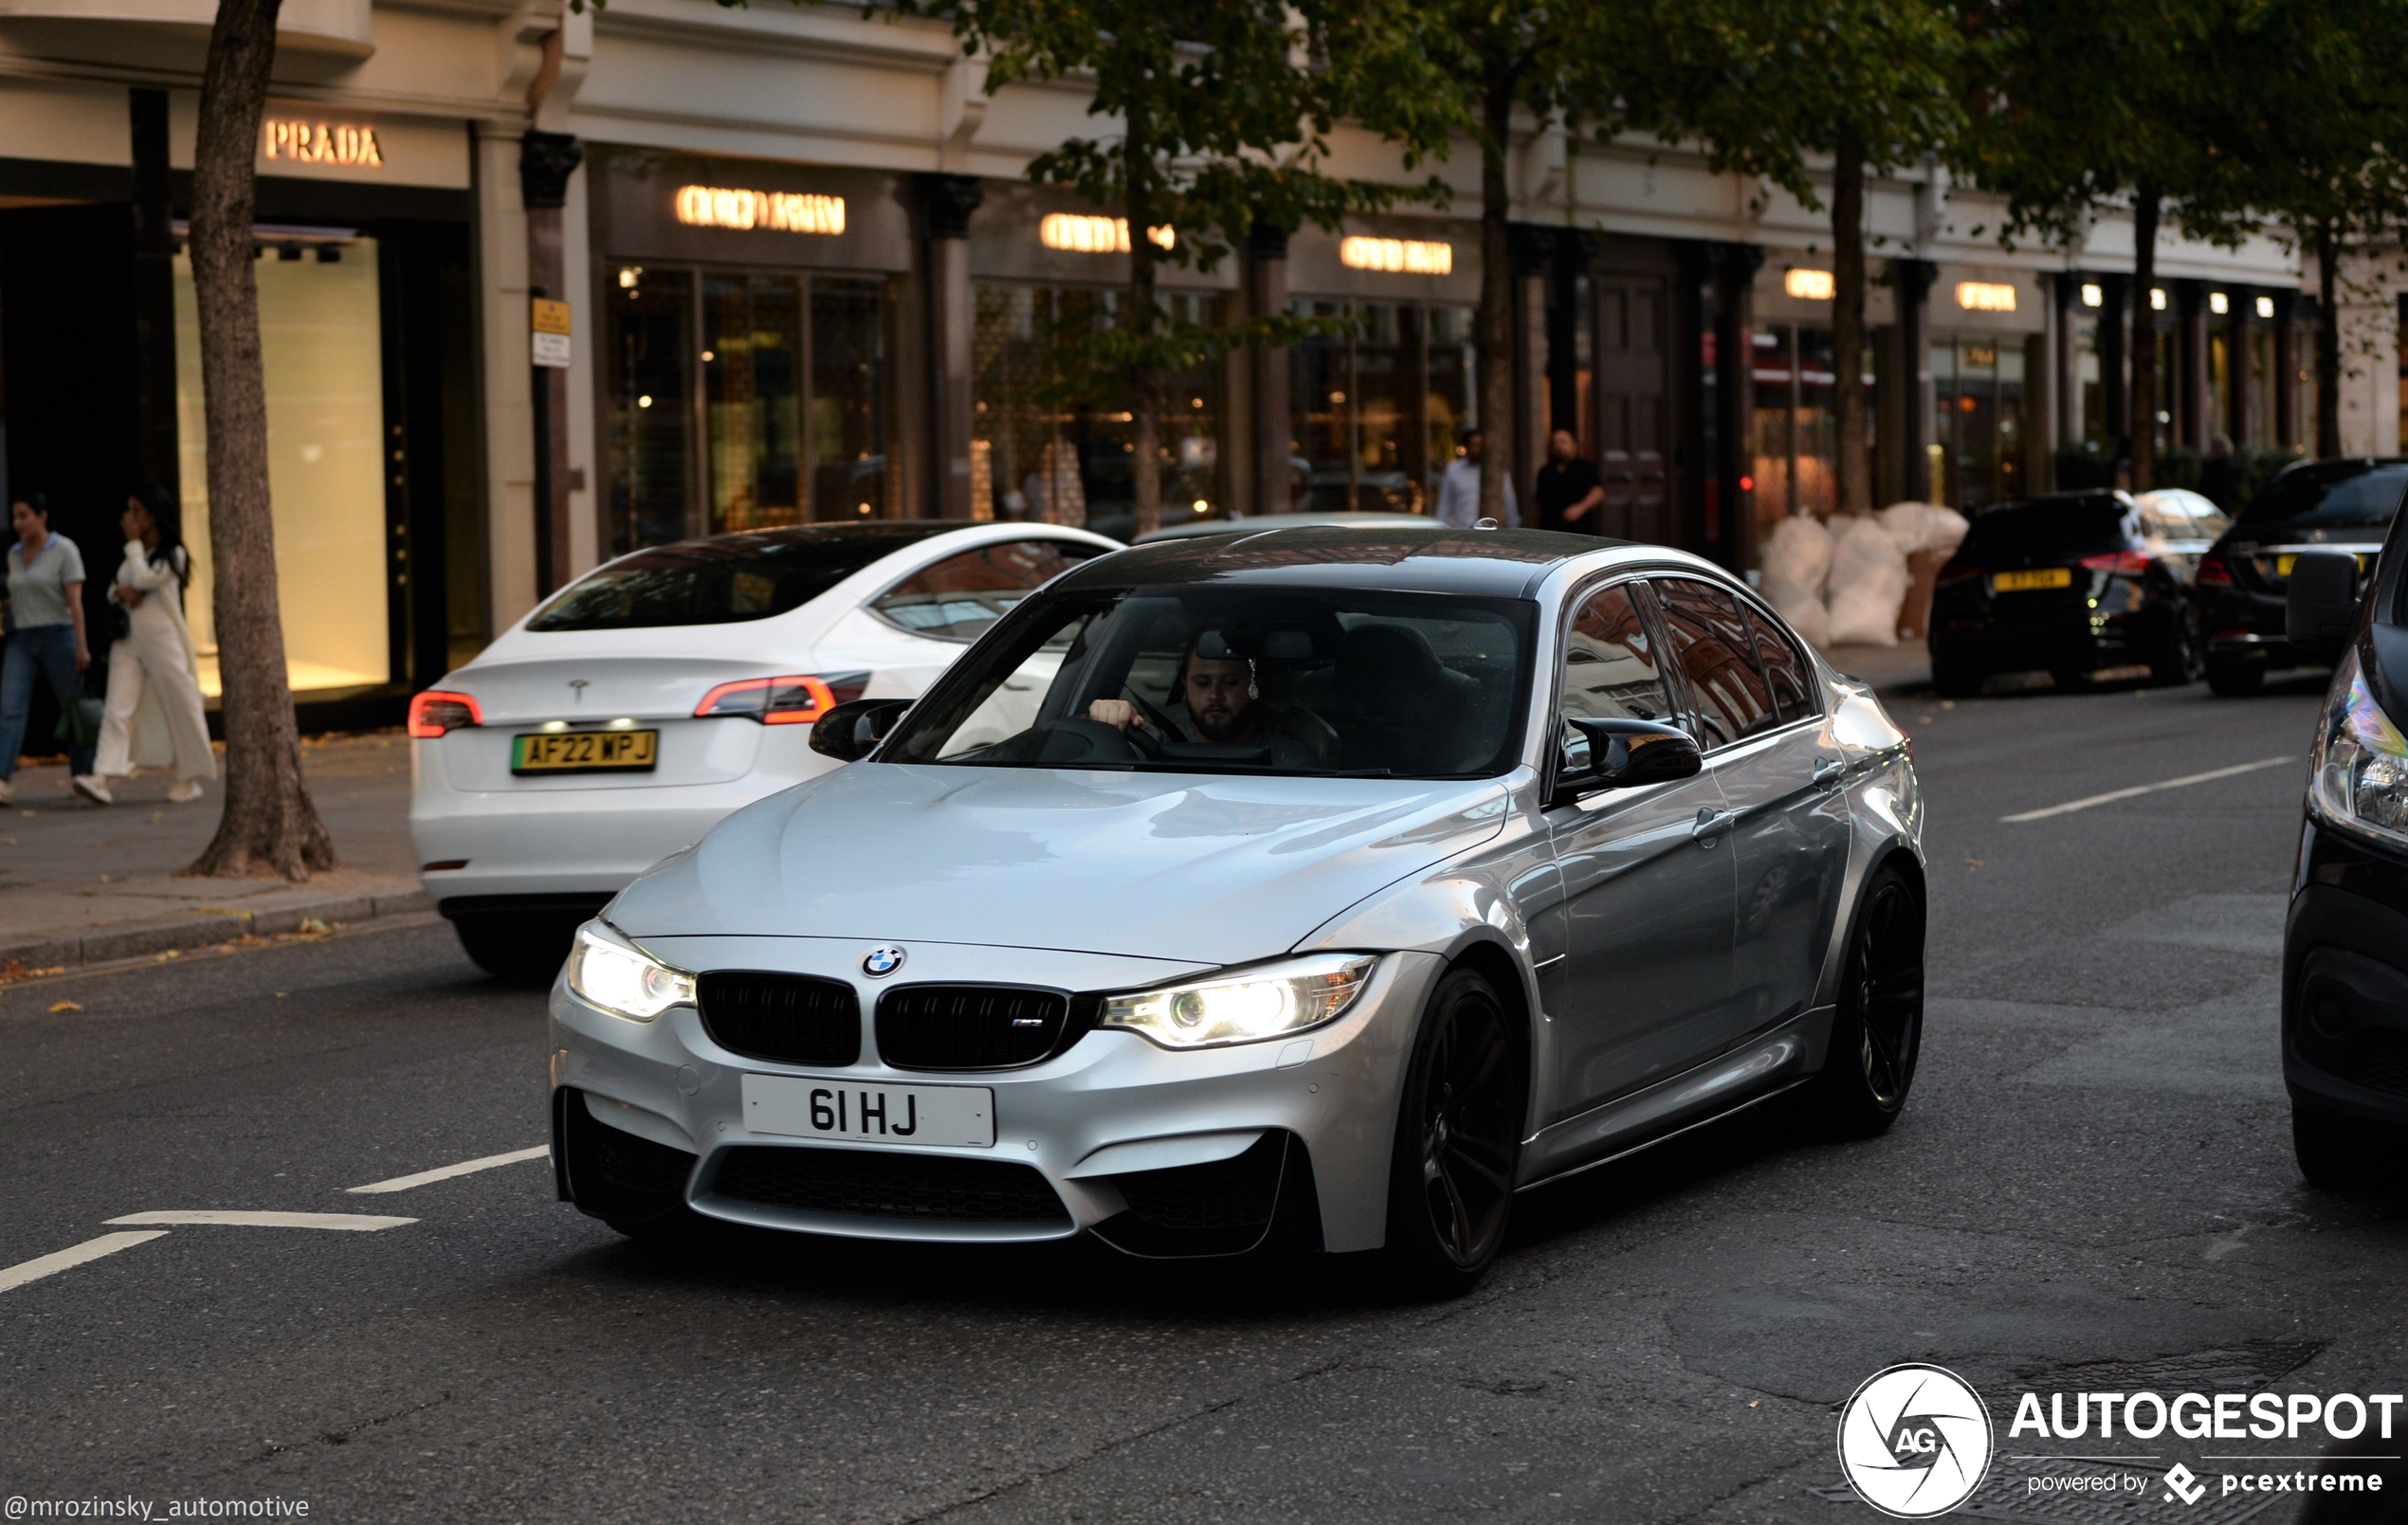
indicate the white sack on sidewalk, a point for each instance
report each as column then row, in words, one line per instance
column 1867, row 583
column 1924, row 526
column 1797, row 559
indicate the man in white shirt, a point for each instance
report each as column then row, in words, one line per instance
column 1459, row 489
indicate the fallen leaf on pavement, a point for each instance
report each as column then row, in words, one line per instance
column 66, row 1005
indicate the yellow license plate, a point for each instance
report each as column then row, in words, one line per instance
column 584, row 752
column 2024, row 582
column 2283, row 565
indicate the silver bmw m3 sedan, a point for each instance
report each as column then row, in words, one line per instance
column 1346, row 883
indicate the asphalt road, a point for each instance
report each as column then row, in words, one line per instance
column 2094, row 1169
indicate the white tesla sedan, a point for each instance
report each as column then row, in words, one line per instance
column 626, row 715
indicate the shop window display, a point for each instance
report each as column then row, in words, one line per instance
column 1977, row 420
column 1375, row 407
column 1038, row 455
column 321, row 354
column 1795, row 443
column 740, row 401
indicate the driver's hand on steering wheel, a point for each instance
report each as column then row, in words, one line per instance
column 1118, row 713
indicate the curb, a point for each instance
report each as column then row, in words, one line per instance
column 164, row 933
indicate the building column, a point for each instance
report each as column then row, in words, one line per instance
column 1266, row 375
column 1913, row 278
column 2115, row 371
column 155, row 454
column 2239, row 360
column 2065, row 365
column 545, row 163
column 1726, row 532
column 2191, row 422
column 946, row 203
column 1533, row 253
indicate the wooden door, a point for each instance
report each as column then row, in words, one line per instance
column 1633, row 391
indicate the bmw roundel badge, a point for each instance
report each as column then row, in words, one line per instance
column 880, row 962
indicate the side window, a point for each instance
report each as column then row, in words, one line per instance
column 1709, row 642
column 1610, row 670
column 1790, row 676
column 958, row 597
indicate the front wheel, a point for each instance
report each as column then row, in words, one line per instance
column 1876, row 1035
column 1458, row 1141
column 2235, row 680
column 1954, row 679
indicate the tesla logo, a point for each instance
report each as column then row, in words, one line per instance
column 577, row 686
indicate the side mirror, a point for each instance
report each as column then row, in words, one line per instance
column 851, row 730
column 2323, row 603
column 1620, row 754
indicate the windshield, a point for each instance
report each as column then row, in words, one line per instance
column 2340, row 497
column 2077, row 526
column 1329, row 681
column 723, row 580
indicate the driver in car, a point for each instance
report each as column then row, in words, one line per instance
column 1220, row 702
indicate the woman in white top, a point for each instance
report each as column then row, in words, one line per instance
column 154, row 713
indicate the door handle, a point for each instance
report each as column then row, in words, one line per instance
column 1828, row 770
column 1710, row 824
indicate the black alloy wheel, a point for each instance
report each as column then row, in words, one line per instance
column 2341, row 1154
column 1954, row 680
column 2178, row 661
column 1458, row 1141
column 2235, row 680
column 1876, row 1035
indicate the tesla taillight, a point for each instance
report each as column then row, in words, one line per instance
column 796, row 701
column 434, row 712
column 1957, row 571
column 2131, row 563
column 2215, row 572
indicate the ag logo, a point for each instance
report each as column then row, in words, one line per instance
column 880, row 962
column 1914, row 1441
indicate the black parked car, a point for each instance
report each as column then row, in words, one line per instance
column 2337, row 505
column 2345, row 941
column 2065, row 582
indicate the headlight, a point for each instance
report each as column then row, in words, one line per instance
column 605, row 971
column 1245, row 1007
column 2359, row 769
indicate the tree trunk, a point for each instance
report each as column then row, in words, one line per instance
column 1847, row 321
column 2144, row 216
column 269, row 825
column 1495, row 329
column 1137, row 317
column 2328, row 342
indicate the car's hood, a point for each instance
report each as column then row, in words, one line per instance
column 1211, row 869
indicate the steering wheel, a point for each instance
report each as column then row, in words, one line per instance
column 1161, row 722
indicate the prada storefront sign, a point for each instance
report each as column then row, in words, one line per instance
column 1387, row 259
column 314, row 141
column 670, row 207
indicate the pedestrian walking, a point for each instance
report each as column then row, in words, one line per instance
column 1569, row 490
column 1459, row 487
column 45, row 636
column 154, row 713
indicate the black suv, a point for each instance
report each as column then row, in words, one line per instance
column 2345, row 941
column 2316, row 505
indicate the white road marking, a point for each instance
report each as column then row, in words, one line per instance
column 74, row 1255
column 358, row 1223
column 2185, row 782
column 403, row 1183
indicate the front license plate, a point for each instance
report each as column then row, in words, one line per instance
column 806, row 1107
column 2283, row 565
column 584, row 752
column 2024, row 582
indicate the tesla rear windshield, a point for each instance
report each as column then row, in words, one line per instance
column 2339, row 497
column 1291, row 681
column 725, row 579
column 2072, row 526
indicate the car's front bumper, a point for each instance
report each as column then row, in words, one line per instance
column 2346, row 979
column 1111, row 1105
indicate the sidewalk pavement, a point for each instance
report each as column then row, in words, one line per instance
column 1905, row 668
column 82, row 884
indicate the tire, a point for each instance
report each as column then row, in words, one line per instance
column 1876, row 1035
column 2234, row 680
column 2178, row 661
column 1458, row 1141
column 1954, row 680
column 517, row 950
column 2338, row 1154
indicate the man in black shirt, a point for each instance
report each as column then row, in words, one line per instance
column 1568, row 491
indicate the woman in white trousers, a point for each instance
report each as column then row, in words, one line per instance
column 154, row 714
